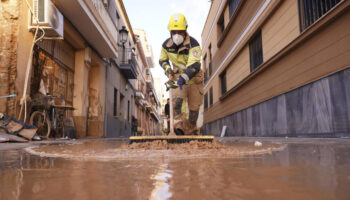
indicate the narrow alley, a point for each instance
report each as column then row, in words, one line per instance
column 178, row 99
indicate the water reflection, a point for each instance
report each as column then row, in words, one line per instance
column 161, row 185
column 300, row 171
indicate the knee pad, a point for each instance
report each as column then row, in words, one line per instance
column 193, row 117
column 177, row 106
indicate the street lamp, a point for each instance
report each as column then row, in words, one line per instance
column 123, row 33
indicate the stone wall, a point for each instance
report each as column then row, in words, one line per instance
column 9, row 28
column 318, row 109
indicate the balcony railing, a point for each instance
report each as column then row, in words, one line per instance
column 128, row 64
column 150, row 82
column 139, row 95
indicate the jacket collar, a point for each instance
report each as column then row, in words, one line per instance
column 185, row 45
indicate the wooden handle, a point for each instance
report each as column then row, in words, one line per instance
column 171, row 114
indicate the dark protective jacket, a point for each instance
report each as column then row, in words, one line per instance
column 185, row 58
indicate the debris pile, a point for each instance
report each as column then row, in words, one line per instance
column 164, row 145
column 97, row 150
column 12, row 130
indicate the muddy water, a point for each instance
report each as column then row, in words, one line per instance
column 110, row 170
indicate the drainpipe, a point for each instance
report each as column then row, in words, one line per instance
column 106, row 81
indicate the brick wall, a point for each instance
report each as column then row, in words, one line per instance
column 9, row 26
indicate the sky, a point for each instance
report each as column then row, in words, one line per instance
column 153, row 17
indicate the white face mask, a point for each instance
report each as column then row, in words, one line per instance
column 178, row 39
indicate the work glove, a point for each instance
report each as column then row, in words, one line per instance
column 168, row 70
column 171, row 84
column 180, row 81
column 174, row 84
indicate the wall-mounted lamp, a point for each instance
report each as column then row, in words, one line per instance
column 123, row 33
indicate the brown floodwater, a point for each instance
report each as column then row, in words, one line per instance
column 109, row 169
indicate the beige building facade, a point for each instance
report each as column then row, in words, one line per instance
column 147, row 101
column 81, row 63
column 277, row 68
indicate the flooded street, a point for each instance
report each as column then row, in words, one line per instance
column 106, row 169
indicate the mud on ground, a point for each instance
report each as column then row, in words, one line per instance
column 93, row 150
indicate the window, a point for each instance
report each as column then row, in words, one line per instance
column 117, row 19
column 122, row 106
column 223, row 82
column 206, row 101
column 211, row 96
column 210, row 59
column 115, row 102
column 210, row 69
column 256, row 52
column 205, row 68
column 221, row 25
column 227, row 19
column 128, row 110
column 311, row 11
column 233, row 5
column 117, row 15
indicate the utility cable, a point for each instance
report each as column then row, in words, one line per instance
column 29, row 63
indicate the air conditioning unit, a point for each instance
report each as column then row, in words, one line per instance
column 48, row 17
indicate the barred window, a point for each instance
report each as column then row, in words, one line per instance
column 128, row 111
column 115, row 101
column 210, row 69
column 311, row 10
column 221, row 25
column 233, row 4
column 206, row 101
column 223, row 82
column 255, row 52
column 211, row 96
column 205, row 68
column 210, row 59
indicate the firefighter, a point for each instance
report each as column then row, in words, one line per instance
column 185, row 75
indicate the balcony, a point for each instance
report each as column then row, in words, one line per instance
column 128, row 64
column 148, row 106
column 149, row 80
column 155, row 116
column 154, row 112
column 143, row 103
column 139, row 95
column 92, row 20
column 151, row 109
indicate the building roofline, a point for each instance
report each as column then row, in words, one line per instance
column 206, row 20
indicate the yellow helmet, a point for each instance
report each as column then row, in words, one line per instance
column 177, row 22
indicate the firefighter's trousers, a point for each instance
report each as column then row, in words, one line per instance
column 194, row 95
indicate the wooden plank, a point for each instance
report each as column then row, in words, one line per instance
column 11, row 138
